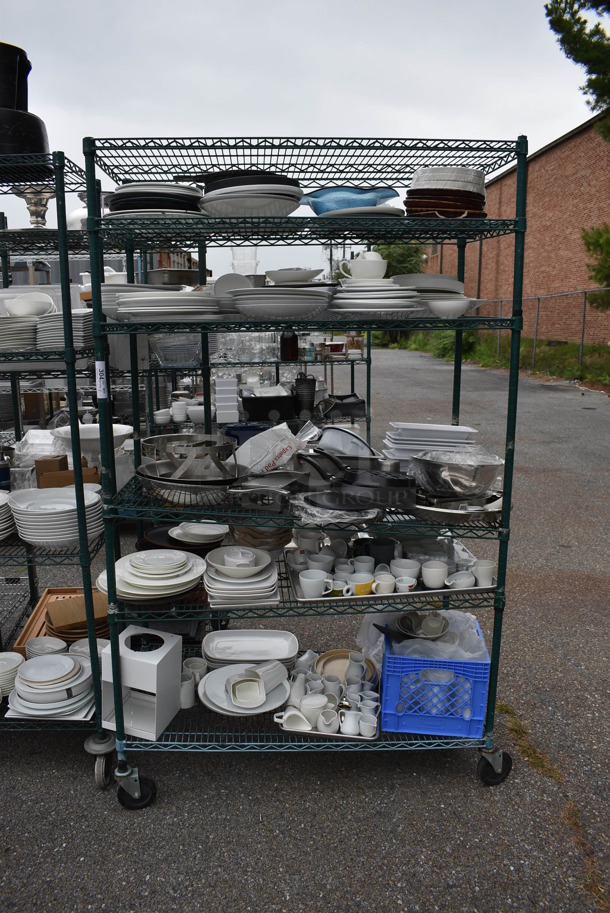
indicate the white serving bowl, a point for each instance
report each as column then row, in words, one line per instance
column 292, row 274
column 448, row 307
column 90, row 436
column 216, row 559
column 36, row 305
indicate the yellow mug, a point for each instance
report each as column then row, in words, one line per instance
column 362, row 583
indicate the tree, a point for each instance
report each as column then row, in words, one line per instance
column 402, row 258
column 597, row 245
column 588, row 44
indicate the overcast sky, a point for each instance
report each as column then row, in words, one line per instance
column 415, row 68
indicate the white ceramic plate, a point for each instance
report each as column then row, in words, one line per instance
column 283, row 190
column 262, row 206
column 250, row 645
column 415, row 430
column 158, row 560
column 17, row 704
column 49, row 668
column 154, row 213
column 212, row 686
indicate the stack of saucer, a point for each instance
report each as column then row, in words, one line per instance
column 44, row 646
column 7, row 523
column 53, row 686
column 373, row 296
column 9, row 665
column 154, row 574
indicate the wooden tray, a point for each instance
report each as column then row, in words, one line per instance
column 35, row 626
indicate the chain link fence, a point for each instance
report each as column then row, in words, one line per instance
column 562, row 317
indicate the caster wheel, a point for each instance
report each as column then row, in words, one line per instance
column 220, row 623
column 488, row 776
column 148, row 791
column 103, row 770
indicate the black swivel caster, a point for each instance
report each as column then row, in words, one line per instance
column 490, row 777
column 148, row 791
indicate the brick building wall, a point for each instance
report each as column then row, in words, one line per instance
column 568, row 189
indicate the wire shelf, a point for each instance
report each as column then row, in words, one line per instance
column 43, row 355
column 197, row 607
column 136, row 502
column 15, row 552
column 317, row 161
column 171, row 233
column 37, row 169
column 37, row 242
column 349, row 320
column 15, row 606
column 200, row 729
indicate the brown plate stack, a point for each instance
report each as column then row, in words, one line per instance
column 446, row 193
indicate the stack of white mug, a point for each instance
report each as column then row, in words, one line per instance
column 326, row 704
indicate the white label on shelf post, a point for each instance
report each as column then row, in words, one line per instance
column 101, row 380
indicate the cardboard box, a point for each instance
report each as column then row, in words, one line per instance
column 60, row 479
column 45, row 465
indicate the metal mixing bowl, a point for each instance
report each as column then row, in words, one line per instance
column 462, row 473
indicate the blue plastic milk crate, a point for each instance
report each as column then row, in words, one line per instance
column 434, row 696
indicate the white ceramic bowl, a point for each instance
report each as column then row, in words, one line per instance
column 292, row 274
column 90, row 436
column 448, row 307
column 216, row 559
column 26, row 306
column 196, row 414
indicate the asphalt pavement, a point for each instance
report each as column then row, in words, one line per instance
column 373, row 831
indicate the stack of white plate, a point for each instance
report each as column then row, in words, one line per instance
column 213, row 694
column 9, row 664
column 264, row 200
column 50, row 330
column 275, row 303
column 44, row 646
column 373, row 296
column 7, row 522
column 18, row 334
column 47, row 516
column 205, row 533
column 403, row 439
column 154, row 574
column 53, row 686
column 224, row 648
column 238, row 586
column 186, row 307
column 81, row 647
column 111, row 292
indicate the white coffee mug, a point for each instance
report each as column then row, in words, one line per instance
column 196, row 666
column 483, row 571
column 315, row 584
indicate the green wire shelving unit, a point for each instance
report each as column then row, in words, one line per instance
column 316, row 162
column 57, row 174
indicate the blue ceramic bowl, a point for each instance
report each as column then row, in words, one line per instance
column 331, row 198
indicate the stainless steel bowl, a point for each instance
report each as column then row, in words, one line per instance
column 462, row 473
